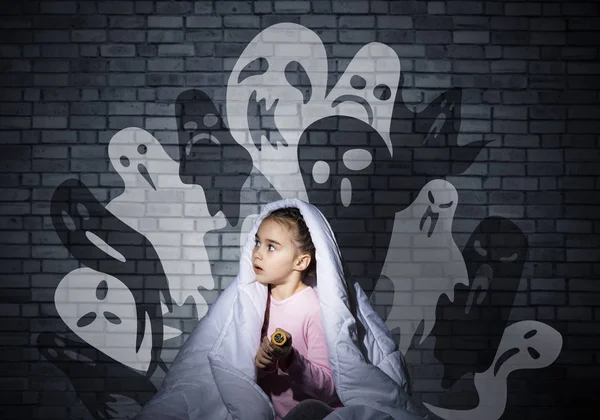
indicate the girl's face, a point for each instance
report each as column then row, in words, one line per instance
column 274, row 256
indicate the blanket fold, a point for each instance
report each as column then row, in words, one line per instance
column 214, row 371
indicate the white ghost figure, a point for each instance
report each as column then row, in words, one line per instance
column 172, row 215
column 423, row 261
column 367, row 88
column 524, row 345
column 101, row 310
column 291, row 104
column 260, row 75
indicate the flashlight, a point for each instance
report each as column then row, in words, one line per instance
column 278, row 338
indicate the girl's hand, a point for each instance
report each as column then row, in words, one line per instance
column 263, row 356
column 282, row 353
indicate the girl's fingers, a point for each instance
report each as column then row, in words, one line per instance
column 262, row 361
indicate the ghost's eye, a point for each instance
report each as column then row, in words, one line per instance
column 297, row 77
column 382, row 92
column 320, row 172
column 253, row 68
column 358, row 82
column 190, row 126
column 479, row 249
column 210, row 120
column 357, row 159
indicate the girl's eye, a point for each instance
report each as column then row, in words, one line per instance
column 256, row 242
column 271, row 246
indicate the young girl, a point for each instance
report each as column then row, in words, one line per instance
column 283, row 256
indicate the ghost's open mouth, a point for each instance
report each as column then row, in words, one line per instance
column 261, row 121
column 358, row 100
column 433, row 217
column 197, row 138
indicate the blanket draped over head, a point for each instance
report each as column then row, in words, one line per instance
column 213, row 376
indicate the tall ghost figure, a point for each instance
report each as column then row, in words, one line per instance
column 209, row 156
column 494, row 254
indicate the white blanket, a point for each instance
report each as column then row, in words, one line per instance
column 214, row 377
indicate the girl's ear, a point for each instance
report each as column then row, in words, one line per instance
column 302, row 262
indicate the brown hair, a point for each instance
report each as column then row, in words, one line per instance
column 293, row 220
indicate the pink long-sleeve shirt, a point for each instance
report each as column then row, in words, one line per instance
column 309, row 375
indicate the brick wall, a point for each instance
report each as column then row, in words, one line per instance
column 75, row 73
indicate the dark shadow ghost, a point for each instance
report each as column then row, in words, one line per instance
column 76, row 214
column 473, row 324
column 97, row 379
column 209, row 155
column 350, row 175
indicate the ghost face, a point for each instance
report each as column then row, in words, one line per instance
column 346, row 168
column 280, row 71
column 345, row 173
column 101, row 310
column 367, row 88
column 207, row 148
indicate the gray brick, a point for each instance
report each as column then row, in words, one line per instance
column 127, row 22
column 203, row 39
column 164, row 79
column 470, row 22
column 523, row 9
column 471, row 66
column 348, row 7
column 509, row 23
column 87, row 122
column 164, row 36
column 59, row 7
column 508, row 66
column 129, row 79
column 394, row 22
column 127, row 35
column 292, row 6
column 88, row 35
column 127, row 65
column 432, row 66
column 49, row 122
column 176, row 50
column 117, row 50
column 125, row 108
column 471, row 37
column 528, row 53
column 233, row 7
column 119, row 123
column 116, row 7
column 238, row 35
column 202, row 64
column 169, row 7
column 144, row 7
column 50, row 79
column 262, row 6
column 320, row 21
column 165, row 22
column 432, row 37
column 241, row 22
column 165, row 64
column 409, row 7
column 436, row 8
column 545, row 38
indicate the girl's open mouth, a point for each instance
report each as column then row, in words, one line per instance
column 257, row 269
